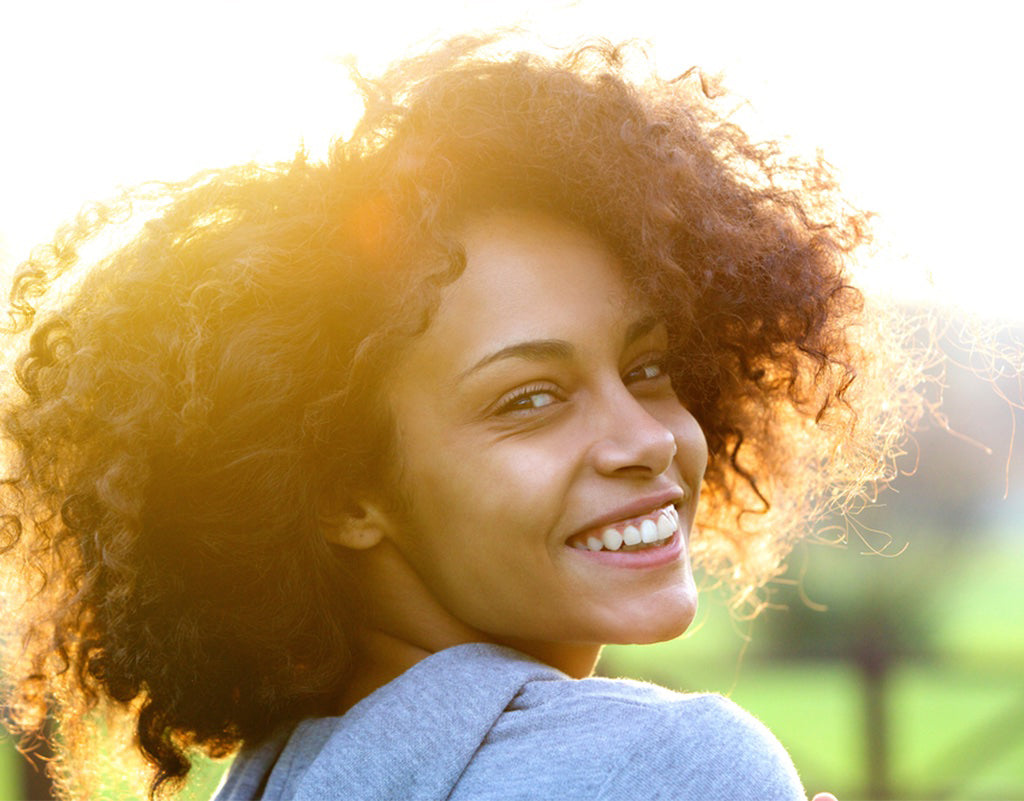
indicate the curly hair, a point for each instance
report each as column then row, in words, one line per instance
column 185, row 411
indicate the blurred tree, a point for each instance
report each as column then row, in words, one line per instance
column 874, row 618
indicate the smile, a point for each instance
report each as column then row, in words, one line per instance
column 638, row 534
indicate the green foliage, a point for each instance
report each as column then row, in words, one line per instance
column 10, row 778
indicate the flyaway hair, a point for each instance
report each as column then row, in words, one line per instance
column 183, row 408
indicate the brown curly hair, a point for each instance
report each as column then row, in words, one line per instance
column 183, row 413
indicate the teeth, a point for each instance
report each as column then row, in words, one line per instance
column 612, row 539
column 666, row 526
column 634, row 536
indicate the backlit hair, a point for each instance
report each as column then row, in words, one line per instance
column 181, row 417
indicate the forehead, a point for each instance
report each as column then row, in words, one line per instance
column 522, row 252
column 530, row 276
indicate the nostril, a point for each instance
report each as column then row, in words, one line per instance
column 648, row 450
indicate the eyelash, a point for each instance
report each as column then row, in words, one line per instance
column 657, row 363
column 508, row 405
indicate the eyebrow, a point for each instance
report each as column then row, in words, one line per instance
column 556, row 349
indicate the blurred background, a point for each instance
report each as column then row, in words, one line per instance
column 892, row 675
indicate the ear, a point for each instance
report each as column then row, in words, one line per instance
column 359, row 526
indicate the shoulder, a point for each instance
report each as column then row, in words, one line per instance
column 617, row 739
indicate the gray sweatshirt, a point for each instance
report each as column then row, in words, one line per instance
column 484, row 722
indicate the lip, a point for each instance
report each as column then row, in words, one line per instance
column 669, row 552
column 625, row 514
column 665, row 554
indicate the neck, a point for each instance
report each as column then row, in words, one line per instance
column 379, row 658
column 576, row 660
column 403, row 624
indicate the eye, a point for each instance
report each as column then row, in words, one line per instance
column 649, row 370
column 527, row 400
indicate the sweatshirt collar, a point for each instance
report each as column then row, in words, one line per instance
column 410, row 739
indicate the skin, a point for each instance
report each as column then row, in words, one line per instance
column 533, row 408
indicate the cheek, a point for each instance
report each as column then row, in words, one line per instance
column 478, row 535
column 482, row 502
column 483, row 485
column 692, row 454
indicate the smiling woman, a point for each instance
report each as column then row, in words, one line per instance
column 356, row 466
column 525, row 426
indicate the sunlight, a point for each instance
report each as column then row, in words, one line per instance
column 115, row 93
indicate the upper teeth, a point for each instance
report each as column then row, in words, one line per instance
column 657, row 528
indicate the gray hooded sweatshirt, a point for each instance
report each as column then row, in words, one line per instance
column 485, row 722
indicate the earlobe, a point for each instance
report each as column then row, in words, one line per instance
column 360, row 527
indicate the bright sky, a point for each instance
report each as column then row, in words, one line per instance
column 916, row 103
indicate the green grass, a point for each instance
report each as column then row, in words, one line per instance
column 959, row 733
column 10, row 781
column 814, row 712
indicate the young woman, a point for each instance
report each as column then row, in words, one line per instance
column 357, row 465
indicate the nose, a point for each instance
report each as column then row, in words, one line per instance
column 630, row 440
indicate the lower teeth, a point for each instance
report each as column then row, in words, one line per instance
column 642, row 546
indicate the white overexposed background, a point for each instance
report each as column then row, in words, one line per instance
column 917, row 104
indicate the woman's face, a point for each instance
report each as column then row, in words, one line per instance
column 535, row 423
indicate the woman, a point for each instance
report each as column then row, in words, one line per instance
column 358, row 465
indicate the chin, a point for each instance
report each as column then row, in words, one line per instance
column 663, row 634
column 666, row 624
